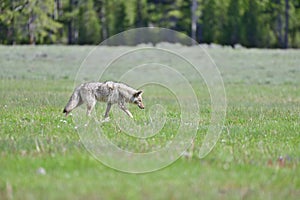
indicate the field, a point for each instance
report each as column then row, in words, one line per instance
column 256, row 157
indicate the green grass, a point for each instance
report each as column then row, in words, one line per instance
column 256, row 157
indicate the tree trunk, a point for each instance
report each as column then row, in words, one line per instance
column 286, row 33
column 70, row 33
column 59, row 7
column 31, row 29
column 194, row 20
column 279, row 24
column 199, row 32
column 58, row 12
column 103, row 20
column 70, row 24
column 139, row 22
column 11, row 29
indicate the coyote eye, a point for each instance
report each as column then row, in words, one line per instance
column 137, row 101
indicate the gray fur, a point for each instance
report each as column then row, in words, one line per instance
column 109, row 92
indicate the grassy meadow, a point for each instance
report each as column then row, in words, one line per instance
column 256, row 157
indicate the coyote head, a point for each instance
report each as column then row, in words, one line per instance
column 138, row 100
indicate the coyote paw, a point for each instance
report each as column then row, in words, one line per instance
column 106, row 119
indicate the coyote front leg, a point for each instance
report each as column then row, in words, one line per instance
column 122, row 106
column 106, row 117
column 107, row 110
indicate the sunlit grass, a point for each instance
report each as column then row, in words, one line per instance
column 256, row 157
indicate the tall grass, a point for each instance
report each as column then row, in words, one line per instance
column 256, row 157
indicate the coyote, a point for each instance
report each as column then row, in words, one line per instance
column 110, row 92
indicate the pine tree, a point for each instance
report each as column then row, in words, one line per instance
column 70, row 20
column 286, row 30
column 41, row 27
column 250, row 24
column 141, row 15
column 89, row 26
column 194, row 21
column 102, row 10
column 120, row 22
column 209, row 21
column 232, row 23
column 30, row 21
column 7, row 17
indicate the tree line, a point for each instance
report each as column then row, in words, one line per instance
column 251, row 23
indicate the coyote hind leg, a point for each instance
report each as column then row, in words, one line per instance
column 90, row 106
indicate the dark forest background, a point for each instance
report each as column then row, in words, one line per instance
column 251, row 23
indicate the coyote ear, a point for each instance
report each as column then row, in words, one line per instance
column 138, row 93
column 110, row 85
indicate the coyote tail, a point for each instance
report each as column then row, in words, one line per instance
column 75, row 100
